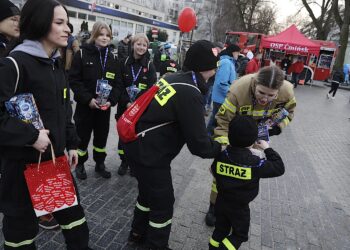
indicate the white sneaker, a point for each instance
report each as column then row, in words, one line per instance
column 328, row 95
column 333, row 97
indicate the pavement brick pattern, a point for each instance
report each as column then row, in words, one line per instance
column 307, row 208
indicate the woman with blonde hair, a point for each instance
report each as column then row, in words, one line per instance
column 93, row 67
column 138, row 70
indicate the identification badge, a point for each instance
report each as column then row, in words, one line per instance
column 263, row 132
column 100, row 85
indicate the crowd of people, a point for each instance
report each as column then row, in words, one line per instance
column 40, row 56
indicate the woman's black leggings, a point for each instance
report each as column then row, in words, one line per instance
column 334, row 88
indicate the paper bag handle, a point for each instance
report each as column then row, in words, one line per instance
column 52, row 155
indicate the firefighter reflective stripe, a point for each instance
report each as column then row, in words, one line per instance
column 233, row 171
column 142, row 208
column 159, row 225
column 120, row 151
column 228, row 105
column 110, row 75
column 213, row 187
column 163, row 57
column 73, row 224
column 228, row 244
column 99, row 150
column 171, row 69
column 81, row 152
column 19, row 244
column 222, row 140
column 214, row 243
column 290, row 103
column 285, row 121
column 65, row 93
column 164, row 93
column 142, row 86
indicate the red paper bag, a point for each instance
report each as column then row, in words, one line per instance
column 127, row 122
column 50, row 185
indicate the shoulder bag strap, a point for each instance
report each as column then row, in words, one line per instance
column 17, row 69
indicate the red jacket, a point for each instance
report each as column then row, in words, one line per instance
column 252, row 66
column 296, row 67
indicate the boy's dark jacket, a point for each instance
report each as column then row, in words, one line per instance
column 243, row 190
column 86, row 69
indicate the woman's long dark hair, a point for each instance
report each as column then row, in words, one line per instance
column 36, row 19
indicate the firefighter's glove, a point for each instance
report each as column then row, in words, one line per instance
column 275, row 130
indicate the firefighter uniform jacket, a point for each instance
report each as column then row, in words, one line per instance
column 45, row 79
column 144, row 80
column 240, row 100
column 86, row 69
column 182, row 105
column 237, row 172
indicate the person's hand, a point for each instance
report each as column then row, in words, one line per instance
column 106, row 106
column 93, row 104
column 43, row 141
column 128, row 105
column 73, row 158
column 261, row 144
column 223, row 147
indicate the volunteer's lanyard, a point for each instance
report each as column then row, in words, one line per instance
column 134, row 77
column 194, row 78
column 103, row 65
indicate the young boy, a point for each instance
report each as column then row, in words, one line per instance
column 237, row 172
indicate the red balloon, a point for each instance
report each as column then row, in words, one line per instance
column 187, row 19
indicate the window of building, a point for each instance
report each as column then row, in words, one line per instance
column 92, row 18
column 109, row 21
column 72, row 14
column 100, row 18
column 140, row 28
column 123, row 24
column 116, row 6
column 116, row 22
column 82, row 16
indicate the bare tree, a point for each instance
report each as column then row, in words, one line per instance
column 321, row 25
column 343, row 23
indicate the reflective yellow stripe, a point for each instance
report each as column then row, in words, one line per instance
column 222, row 140
column 163, row 57
column 65, row 93
column 171, row 69
column 142, row 86
column 286, row 121
column 22, row 243
column 233, row 171
column 258, row 112
column 81, row 152
column 142, row 208
column 214, row 243
column 120, row 151
column 290, row 103
column 73, row 224
column 228, row 244
column 213, row 187
column 110, row 75
column 159, row 225
column 99, row 150
column 230, row 106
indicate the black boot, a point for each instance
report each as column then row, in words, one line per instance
column 136, row 238
column 123, row 168
column 100, row 168
column 80, row 172
column 210, row 217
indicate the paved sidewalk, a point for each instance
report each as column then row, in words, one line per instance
column 307, row 208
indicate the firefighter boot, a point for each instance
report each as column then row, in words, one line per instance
column 123, row 168
column 210, row 217
column 100, row 168
column 80, row 172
